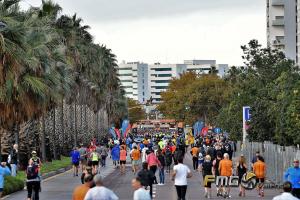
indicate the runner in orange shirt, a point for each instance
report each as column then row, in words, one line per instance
column 80, row 191
column 123, row 156
column 259, row 169
column 135, row 156
column 225, row 169
column 195, row 153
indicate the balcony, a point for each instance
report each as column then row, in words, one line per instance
column 277, row 2
column 278, row 22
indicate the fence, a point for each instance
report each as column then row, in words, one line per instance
column 278, row 158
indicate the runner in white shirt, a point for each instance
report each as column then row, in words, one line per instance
column 140, row 193
column 99, row 192
column 180, row 174
column 144, row 155
column 286, row 195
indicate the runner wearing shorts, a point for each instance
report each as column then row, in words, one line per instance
column 135, row 156
column 75, row 160
column 123, row 155
column 95, row 161
column 83, row 157
column 225, row 169
column 259, row 169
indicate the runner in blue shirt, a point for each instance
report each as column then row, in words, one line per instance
column 4, row 171
column 75, row 155
column 292, row 174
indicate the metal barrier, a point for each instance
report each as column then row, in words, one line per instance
column 278, row 158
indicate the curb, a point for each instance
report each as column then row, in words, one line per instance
column 44, row 176
column 54, row 173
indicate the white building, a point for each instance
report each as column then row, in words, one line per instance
column 142, row 81
column 134, row 80
column 283, row 26
column 160, row 76
column 206, row 66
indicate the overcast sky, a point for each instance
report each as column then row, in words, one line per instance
column 170, row 31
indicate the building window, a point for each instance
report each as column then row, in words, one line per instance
column 129, row 68
column 164, row 75
column 161, row 81
column 159, row 87
column 126, row 87
column 143, row 81
column 156, row 93
column 161, row 69
column 143, row 93
column 125, row 75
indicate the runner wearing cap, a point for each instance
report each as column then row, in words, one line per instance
column 292, row 174
column 36, row 160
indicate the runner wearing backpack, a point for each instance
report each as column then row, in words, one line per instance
column 33, row 180
column 168, row 159
column 228, row 149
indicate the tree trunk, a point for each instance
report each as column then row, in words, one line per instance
column 75, row 124
column 97, row 131
column 54, row 135
column 62, row 127
column 81, row 119
column 16, row 133
column 43, row 139
column 86, row 126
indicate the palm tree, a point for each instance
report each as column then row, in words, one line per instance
column 49, row 66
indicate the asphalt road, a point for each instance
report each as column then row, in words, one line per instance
column 61, row 186
column 121, row 185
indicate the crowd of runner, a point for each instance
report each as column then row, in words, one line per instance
column 151, row 151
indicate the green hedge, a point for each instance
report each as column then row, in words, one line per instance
column 14, row 184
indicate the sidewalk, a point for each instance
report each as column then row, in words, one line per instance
column 60, row 187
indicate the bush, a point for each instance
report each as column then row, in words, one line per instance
column 12, row 184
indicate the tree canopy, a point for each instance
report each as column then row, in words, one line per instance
column 193, row 97
column 46, row 56
column 268, row 82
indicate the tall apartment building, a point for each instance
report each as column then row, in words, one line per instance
column 160, row 76
column 205, row 66
column 134, row 80
column 142, row 81
column 283, row 26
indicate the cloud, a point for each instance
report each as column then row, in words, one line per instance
column 171, row 31
column 119, row 10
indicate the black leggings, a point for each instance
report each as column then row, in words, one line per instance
column 151, row 189
column 33, row 186
column 195, row 163
column 153, row 168
column 181, row 191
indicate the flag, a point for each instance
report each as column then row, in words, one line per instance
column 112, row 132
column 118, row 133
column 127, row 131
column 198, row 128
column 125, row 126
column 204, row 131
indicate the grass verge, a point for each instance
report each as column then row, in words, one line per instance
column 14, row 184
